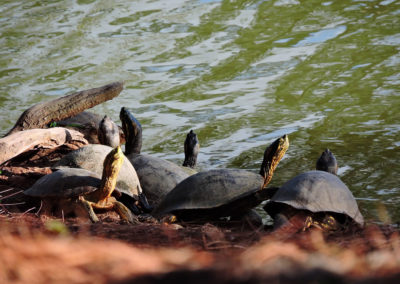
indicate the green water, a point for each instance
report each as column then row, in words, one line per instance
column 240, row 73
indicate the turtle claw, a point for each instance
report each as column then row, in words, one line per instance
column 89, row 209
column 308, row 223
column 169, row 219
column 137, row 205
column 328, row 223
column 124, row 212
column 144, row 204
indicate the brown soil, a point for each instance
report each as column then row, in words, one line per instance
column 41, row 249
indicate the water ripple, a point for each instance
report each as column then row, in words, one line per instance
column 322, row 36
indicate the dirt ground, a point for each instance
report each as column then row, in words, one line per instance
column 40, row 249
column 47, row 250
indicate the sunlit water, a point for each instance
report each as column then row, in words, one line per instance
column 240, row 73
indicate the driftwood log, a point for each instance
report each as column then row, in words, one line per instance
column 41, row 114
column 22, row 141
column 34, row 171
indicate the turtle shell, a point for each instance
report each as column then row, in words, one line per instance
column 82, row 119
column 65, row 183
column 91, row 158
column 210, row 190
column 157, row 176
column 317, row 191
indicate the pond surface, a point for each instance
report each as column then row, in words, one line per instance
column 239, row 73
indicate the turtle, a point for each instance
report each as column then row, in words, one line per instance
column 315, row 198
column 129, row 189
column 81, row 191
column 108, row 133
column 216, row 193
column 88, row 123
column 157, row 176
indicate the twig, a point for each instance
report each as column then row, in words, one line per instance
column 30, row 209
column 12, row 204
column 225, row 247
column 40, row 208
column 4, row 209
column 6, row 190
column 12, row 194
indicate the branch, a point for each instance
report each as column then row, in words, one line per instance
column 41, row 114
column 20, row 142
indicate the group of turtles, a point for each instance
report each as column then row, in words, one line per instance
column 100, row 176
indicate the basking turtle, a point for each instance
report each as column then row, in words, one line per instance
column 108, row 133
column 316, row 198
column 88, row 123
column 81, row 191
column 222, row 192
column 88, row 158
column 157, row 176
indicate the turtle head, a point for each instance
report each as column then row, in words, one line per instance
column 111, row 167
column 272, row 156
column 327, row 162
column 132, row 131
column 108, row 132
column 192, row 148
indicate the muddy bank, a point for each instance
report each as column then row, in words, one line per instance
column 42, row 250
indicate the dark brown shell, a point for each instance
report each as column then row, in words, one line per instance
column 91, row 158
column 65, row 183
column 157, row 176
column 210, row 189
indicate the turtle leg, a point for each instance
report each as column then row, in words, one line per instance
column 291, row 221
column 129, row 202
column 111, row 203
column 309, row 222
column 169, row 219
column 87, row 205
column 136, row 206
column 328, row 223
column 123, row 211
